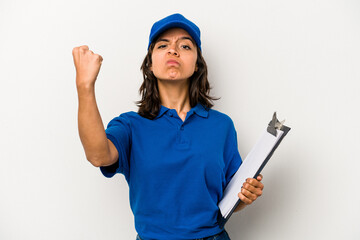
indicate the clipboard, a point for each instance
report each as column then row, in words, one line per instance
column 251, row 167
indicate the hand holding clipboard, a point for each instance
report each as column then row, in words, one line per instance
column 251, row 167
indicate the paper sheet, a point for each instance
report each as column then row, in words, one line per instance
column 248, row 169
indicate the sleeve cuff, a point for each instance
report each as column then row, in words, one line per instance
column 110, row 171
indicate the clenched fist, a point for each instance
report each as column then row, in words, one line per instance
column 87, row 66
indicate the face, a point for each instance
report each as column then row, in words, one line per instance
column 174, row 55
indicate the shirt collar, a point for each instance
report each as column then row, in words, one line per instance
column 199, row 109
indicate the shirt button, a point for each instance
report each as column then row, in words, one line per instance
column 170, row 114
column 182, row 128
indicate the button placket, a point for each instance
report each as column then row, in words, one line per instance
column 182, row 140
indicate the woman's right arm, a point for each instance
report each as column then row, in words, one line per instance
column 98, row 149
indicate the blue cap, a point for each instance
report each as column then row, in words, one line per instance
column 174, row 21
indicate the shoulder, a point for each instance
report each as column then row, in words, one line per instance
column 131, row 118
column 129, row 114
column 122, row 119
column 219, row 116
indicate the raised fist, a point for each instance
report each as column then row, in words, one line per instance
column 87, row 66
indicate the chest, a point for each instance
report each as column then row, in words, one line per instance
column 169, row 148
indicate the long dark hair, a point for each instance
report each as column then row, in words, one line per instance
column 199, row 87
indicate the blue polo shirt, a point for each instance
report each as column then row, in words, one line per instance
column 176, row 170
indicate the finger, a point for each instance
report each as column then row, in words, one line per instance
column 244, row 199
column 100, row 58
column 84, row 47
column 248, row 194
column 252, row 189
column 75, row 53
column 255, row 183
column 77, row 50
column 252, row 196
column 83, row 50
column 260, row 177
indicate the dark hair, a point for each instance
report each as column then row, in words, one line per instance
column 199, row 87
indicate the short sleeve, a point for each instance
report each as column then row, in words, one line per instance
column 118, row 131
column 232, row 156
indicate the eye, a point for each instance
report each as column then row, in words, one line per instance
column 187, row 47
column 161, row 46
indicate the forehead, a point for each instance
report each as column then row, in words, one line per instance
column 174, row 33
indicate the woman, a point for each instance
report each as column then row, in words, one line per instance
column 176, row 153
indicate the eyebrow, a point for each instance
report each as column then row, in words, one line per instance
column 182, row 38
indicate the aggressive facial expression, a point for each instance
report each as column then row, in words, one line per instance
column 174, row 55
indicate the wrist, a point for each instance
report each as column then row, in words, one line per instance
column 84, row 82
column 241, row 206
column 85, row 88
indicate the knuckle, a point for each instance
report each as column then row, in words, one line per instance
column 83, row 49
column 241, row 197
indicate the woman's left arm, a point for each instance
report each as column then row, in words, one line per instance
column 250, row 191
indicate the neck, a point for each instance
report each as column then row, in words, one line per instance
column 174, row 94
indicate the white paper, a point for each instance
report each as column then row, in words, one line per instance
column 248, row 169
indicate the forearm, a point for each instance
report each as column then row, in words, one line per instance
column 91, row 129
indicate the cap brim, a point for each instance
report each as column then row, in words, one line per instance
column 174, row 24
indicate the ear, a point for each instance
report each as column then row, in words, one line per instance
column 196, row 68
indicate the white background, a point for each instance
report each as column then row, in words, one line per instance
column 299, row 58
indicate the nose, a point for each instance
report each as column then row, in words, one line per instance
column 173, row 50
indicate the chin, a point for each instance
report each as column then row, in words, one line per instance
column 176, row 79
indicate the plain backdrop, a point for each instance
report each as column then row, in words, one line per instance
column 299, row 58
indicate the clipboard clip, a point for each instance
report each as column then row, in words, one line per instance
column 274, row 125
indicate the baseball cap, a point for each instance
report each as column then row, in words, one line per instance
column 174, row 21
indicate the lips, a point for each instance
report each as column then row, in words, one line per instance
column 172, row 62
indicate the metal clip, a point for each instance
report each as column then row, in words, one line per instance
column 274, row 125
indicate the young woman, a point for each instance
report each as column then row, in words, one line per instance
column 176, row 153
